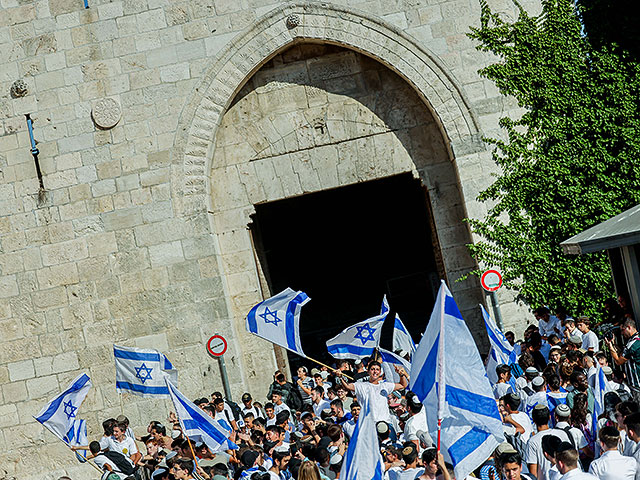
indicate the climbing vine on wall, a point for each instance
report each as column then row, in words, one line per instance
column 570, row 161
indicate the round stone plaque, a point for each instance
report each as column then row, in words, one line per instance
column 106, row 113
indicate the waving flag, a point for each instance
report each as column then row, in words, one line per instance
column 60, row 413
column 357, row 341
column 389, row 361
column 600, row 388
column 277, row 319
column 401, row 337
column 77, row 437
column 143, row 371
column 501, row 353
column 197, row 425
column 362, row 459
column 447, row 374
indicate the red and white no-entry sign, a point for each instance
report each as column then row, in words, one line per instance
column 217, row 345
column 491, row 280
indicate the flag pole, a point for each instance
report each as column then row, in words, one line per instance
column 441, row 367
column 74, row 451
column 195, row 459
column 181, row 428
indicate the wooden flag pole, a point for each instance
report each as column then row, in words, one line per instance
column 195, row 459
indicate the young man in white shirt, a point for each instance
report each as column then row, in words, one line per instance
column 612, row 465
column 317, row 400
column 511, row 416
column 124, row 444
column 570, row 329
column 538, row 464
column 502, row 387
column 590, row 341
column 567, row 464
column 278, row 404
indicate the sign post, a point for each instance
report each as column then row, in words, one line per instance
column 491, row 281
column 217, row 346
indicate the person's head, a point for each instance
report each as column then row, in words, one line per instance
column 281, row 458
column 550, row 444
column 623, row 409
column 374, row 369
column 152, row 447
column 583, row 324
column 566, row 457
column 579, row 381
column 355, row 410
column 273, row 433
column 218, row 404
column 317, row 394
column 540, row 415
column 562, row 413
column 609, row 437
column 120, row 431
column 309, row 471
column 430, row 461
column 331, row 394
column 182, row 468
column 510, row 402
column 342, row 392
column 158, row 430
column 554, row 382
column 632, row 426
column 337, row 408
column 503, row 372
column 94, row 447
column 269, row 409
column 542, row 313
column 334, row 432
column 511, row 466
column 555, row 354
column 108, row 425
column 281, row 379
column 511, row 337
column 276, row 397
column 247, row 399
column 538, row 384
column 410, row 455
column 628, row 328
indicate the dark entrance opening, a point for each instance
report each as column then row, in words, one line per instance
column 346, row 248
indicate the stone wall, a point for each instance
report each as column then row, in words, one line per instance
column 121, row 248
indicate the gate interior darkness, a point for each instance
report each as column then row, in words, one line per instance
column 346, row 248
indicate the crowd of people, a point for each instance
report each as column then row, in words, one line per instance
column 546, row 399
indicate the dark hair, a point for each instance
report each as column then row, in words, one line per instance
column 550, row 444
column 540, row 416
column 334, row 432
column 121, row 425
column 373, row 363
column 218, row 401
column 632, row 421
column 502, row 369
column 541, row 311
column 159, row 428
column 279, row 455
column 510, row 458
column 94, row 447
column 627, row 408
column 281, row 378
column 510, row 400
column 409, row 453
column 269, row 405
column 318, row 389
column 220, row 469
column 338, row 403
column 553, row 381
column 579, row 411
column 567, row 454
column 429, row 455
column 629, row 322
column 526, row 360
column 185, row 464
column 108, row 425
column 610, row 436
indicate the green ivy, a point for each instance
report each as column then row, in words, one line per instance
column 570, row 161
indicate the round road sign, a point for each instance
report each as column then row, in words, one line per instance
column 491, row 280
column 217, row 345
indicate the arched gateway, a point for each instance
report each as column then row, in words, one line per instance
column 312, row 108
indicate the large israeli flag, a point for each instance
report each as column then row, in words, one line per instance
column 60, row 413
column 362, row 459
column 600, row 388
column 77, row 437
column 502, row 352
column 142, row 371
column 357, row 341
column 401, row 337
column 391, row 360
column 277, row 319
column 197, row 425
column 447, row 374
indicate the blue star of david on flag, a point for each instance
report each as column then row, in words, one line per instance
column 144, row 373
column 365, row 337
column 69, row 409
column 270, row 313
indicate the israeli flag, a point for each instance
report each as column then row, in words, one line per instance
column 197, row 425
column 501, row 353
column 60, row 413
column 357, row 341
column 77, row 437
column 363, row 459
column 600, row 388
column 142, row 371
column 447, row 374
column 401, row 337
column 277, row 319
column 391, row 360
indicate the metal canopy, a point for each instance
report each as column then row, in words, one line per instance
column 619, row 231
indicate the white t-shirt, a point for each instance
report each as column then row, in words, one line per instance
column 281, row 408
column 349, row 427
column 414, row 424
column 613, row 466
column 397, row 473
column 377, row 396
column 590, row 340
column 252, row 410
column 574, row 333
column 534, row 454
column 274, row 476
column 501, row 389
column 578, row 437
column 322, row 405
column 101, row 461
column 524, row 421
column 549, row 328
column 127, row 447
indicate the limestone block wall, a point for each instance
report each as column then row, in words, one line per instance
column 121, row 246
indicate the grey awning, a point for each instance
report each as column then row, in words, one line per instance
column 619, row 231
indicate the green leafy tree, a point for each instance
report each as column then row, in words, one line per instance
column 570, row 161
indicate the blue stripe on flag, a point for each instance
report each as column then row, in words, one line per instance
column 496, row 341
column 55, row 405
column 347, row 348
column 127, row 355
column 450, row 308
column 251, row 319
column 197, row 422
column 142, row 389
column 291, row 319
column 467, row 443
column 427, row 376
column 471, row 402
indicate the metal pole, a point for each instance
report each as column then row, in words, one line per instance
column 225, row 378
column 496, row 309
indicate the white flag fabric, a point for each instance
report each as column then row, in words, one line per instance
column 197, row 425
column 277, row 319
column 502, row 352
column 142, row 371
column 600, row 388
column 362, row 459
column 401, row 339
column 357, row 341
column 389, row 361
column 77, row 437
column 60, row 413
column 448, row 376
